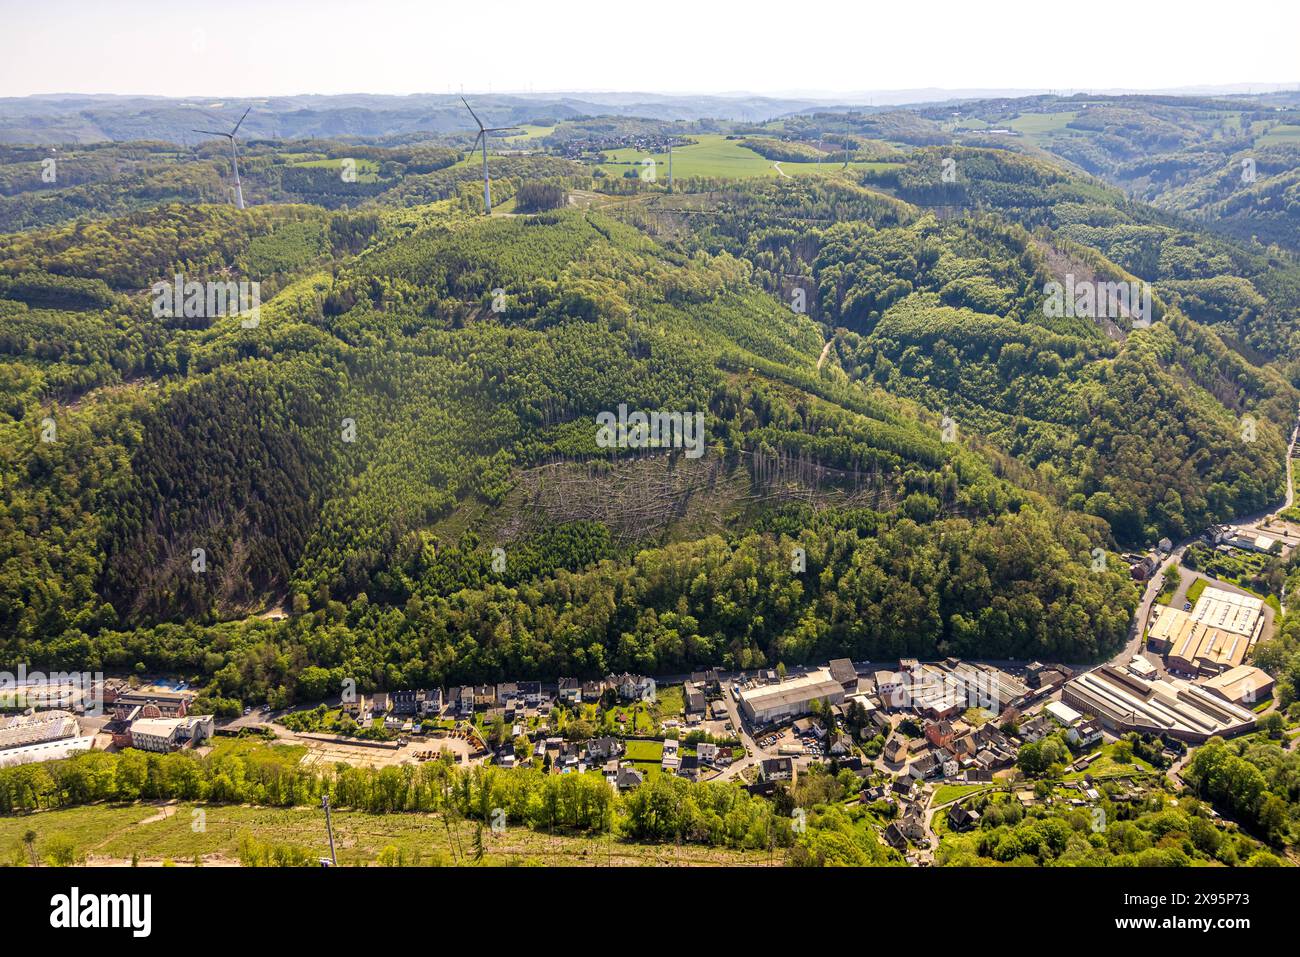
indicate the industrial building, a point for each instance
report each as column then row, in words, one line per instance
column 1243, row 685
column 1213, row 637
column 1229, row 611
column 774, row 703
column 45, row 751
column 169, row 734
column 40, row 736
column 22, row 730
column 1169, row 706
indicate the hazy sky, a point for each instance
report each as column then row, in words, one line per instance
column 251, row 47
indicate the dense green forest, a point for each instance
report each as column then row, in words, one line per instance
column 905, row 452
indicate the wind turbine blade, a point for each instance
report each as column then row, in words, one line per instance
column 472, row 113
column 476, row 139
column 210, row 132
column 241, row 121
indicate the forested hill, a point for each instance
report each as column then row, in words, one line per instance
column 402, row 452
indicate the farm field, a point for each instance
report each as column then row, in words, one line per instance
column 1282, row 133
column 1040, row 125
column 531, row 132
column 716, row 156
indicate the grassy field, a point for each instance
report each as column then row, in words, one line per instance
column 531, row 132
column 1279, row 134
column 1040, row 126
column 715, row 156
column 104, row 834
column 1107, row 765
column 367, row 170
column 951, row 792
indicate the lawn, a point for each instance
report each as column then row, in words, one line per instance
column 1195, row 588
column 951, row 792
column 652, row 751
column 1108, row 766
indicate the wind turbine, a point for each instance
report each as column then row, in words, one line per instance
column 234, row 154
column 483, row 131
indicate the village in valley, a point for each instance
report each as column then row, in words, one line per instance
column 928, row 743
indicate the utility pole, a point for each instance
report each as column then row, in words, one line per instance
column 670, row 167
column 329, row 828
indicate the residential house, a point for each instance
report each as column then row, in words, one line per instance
column 1085, row 734
column 961, row 818
column 696, row 703
column 895, row 837
column 940, row 733
column 463, row 700
column 1036, row 729
column 913, row 825
column 926, row 766
column 809, row 727
column 632, row 687
column 570, row 691
column 604, row 749
column 672, row 758
column 627, row 779
column 409, row 701
column 776, row 769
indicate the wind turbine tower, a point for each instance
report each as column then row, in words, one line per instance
column 234, row 154
column 483, row 131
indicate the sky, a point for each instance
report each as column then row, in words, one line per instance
column 283, row 47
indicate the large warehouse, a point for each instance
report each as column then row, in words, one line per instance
column 1230, row 611
column 1213, row 637
column 773, row 703
column 1169, row 706
column 1241, row 685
